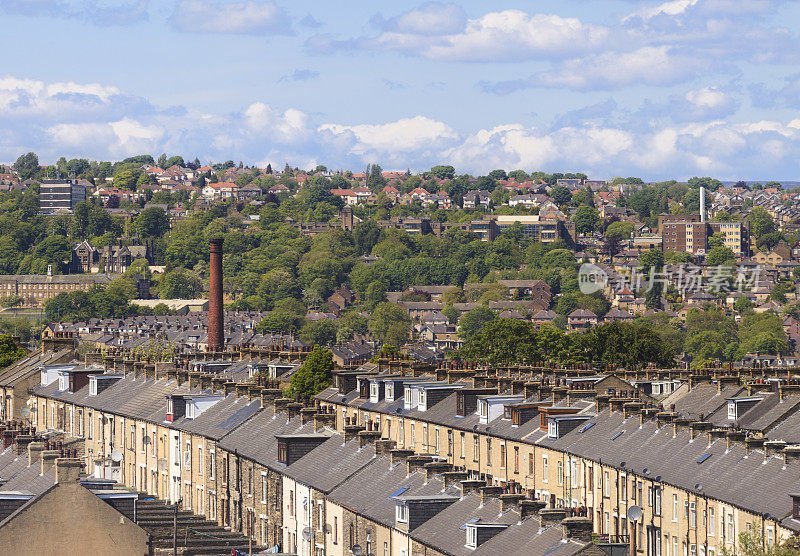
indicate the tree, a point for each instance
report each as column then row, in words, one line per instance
column 27, row 165
column 719, row 255
column 320, row 333
column 174, row 160
column 761, row 222
column 390, row 324
column 153, row 222
column 586, row 219
column 651, row 263
column 180, row 284
column 443, row 172
column 10, row 351
column 561, row 195
column 314, row 375
column 498, row 175
column 474, row 321
column 619, row 228
column 743, row 305
column 126, row 177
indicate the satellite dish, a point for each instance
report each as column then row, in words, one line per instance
column 698, row 487
column 357, row 550
column 646, row 471
column 162, row 464
column 622, row 464
column 634, row 513
column 658, row 479
column 307, row 535
column 116, row 456
column 145, row 440
column 328, row 529
column 25, row 412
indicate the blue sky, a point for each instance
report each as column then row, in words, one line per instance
column 609, row 87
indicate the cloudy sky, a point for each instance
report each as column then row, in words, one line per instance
column 609, row 87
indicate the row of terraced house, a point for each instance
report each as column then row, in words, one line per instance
column 399, row 458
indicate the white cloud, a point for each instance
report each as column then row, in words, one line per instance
column 649, row 65
column 673, row 8
column 92, row 11
column 604, row 143
column 246, row 18
column 439, row 32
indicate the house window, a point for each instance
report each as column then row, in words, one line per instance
column 401, row 513
column 711, row 520
column 530, row 465
column 606, row 484
column 263, row 488
column 502, row 456
column 449, row 442
column 516, row 459
column 413, row 435
column 544, row 469
column 283, row 452
column 472, row 537
column 335, row 530
column 476, row 451
column 560, row 472
column 463, row 446
column 674, row 507
column 488, row 452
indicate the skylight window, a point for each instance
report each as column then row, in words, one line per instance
column 586, row 427
column 704, row 458
column 617, row 435
column 398, row 492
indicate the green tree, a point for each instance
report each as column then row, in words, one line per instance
column 651, row 263
column 153, row 222
column 390, row 324
column 314, row 375
column 180, row 283
column 27, row 165
column 474, row 321
column 586, row 219
column 761, row 222
column 10, row 351
column 321, row 332
column 443, row 172
column 561, row 195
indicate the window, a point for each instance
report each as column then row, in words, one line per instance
column 623, row 487
column 502, row 456
column 472, row 537
column 516, row 459
column 335, row 530
column 401, row 513
column 552, row 429
column 530, row 465
column 692, row 514
column 476, row 450
column 675, row 545
column 437, row 440
column 212, row 464
column 711, row 520
column 488, row 452
column 413, row 435
column 674, row 507
column 200, row 467
column 544, row 468
column 573, row 473
column 606, row 484
column 463, row 446
column 654, row 499
column 729, row 532
column 263, row 488
column 449, row 443
column 133, row 438
column 560, row 472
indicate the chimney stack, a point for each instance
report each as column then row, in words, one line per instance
column 216, row 331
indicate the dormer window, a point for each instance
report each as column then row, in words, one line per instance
column 472, row 536
column 421, row 402
column 170, row 406
column 731, row 411
column 401, row 513
column 283, row 451
column 507, row 413
column 93, row 386
column 552, row 429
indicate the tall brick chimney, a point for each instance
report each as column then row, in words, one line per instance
column 216, row 332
